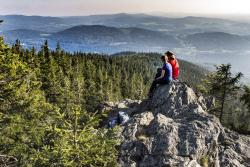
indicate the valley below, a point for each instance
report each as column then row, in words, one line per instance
column 200, row 40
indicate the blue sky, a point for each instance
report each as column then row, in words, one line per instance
column 88, row 7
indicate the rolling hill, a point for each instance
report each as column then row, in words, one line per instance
column 96, row 38
column 96, row 34
column 23, row 34
column 156, row 23
column 218, row 41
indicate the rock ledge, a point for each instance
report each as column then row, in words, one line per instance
column 174, row 129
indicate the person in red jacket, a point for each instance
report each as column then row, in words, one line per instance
column 174, row 63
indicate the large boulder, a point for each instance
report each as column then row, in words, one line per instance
column 174, row 129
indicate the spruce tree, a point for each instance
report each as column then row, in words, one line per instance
column 246, row 97
column 223, row 85
column 22, row 107
column 17, row 47
column 48, row 103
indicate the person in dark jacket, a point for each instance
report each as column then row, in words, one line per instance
column 164, row 78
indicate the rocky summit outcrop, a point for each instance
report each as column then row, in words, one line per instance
column 174, row 129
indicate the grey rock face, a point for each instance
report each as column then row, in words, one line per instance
column 124, row 104
column 174, row 129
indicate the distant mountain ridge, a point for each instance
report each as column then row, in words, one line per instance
column 22, row 34
column 96, row 37
column 104, row 34
column 218, row 41
column 202, row 40
column 113, row 39
column 142, row 29
column 155, row 23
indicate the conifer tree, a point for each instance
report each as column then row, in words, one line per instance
column 58, row 48
column 22, row 106
column 223, row 85
column 17, row 47
column 48, row 103
column 246, row 97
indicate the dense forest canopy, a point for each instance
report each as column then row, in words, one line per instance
column 49, row 102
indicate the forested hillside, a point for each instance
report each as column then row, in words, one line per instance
column 49, row 102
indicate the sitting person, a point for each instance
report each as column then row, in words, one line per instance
column 174, row 63
column 158, row 73
column 164, row 78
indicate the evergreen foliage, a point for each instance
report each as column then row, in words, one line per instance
column 222, row 84
column 246, row 97
column 225, row 87
column 42, row 115
column 244, row 112
column 49, row 102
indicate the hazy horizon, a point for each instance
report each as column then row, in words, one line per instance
column 95, row 7
column 196, row 40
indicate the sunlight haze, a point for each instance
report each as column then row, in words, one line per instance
column 88, row 7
